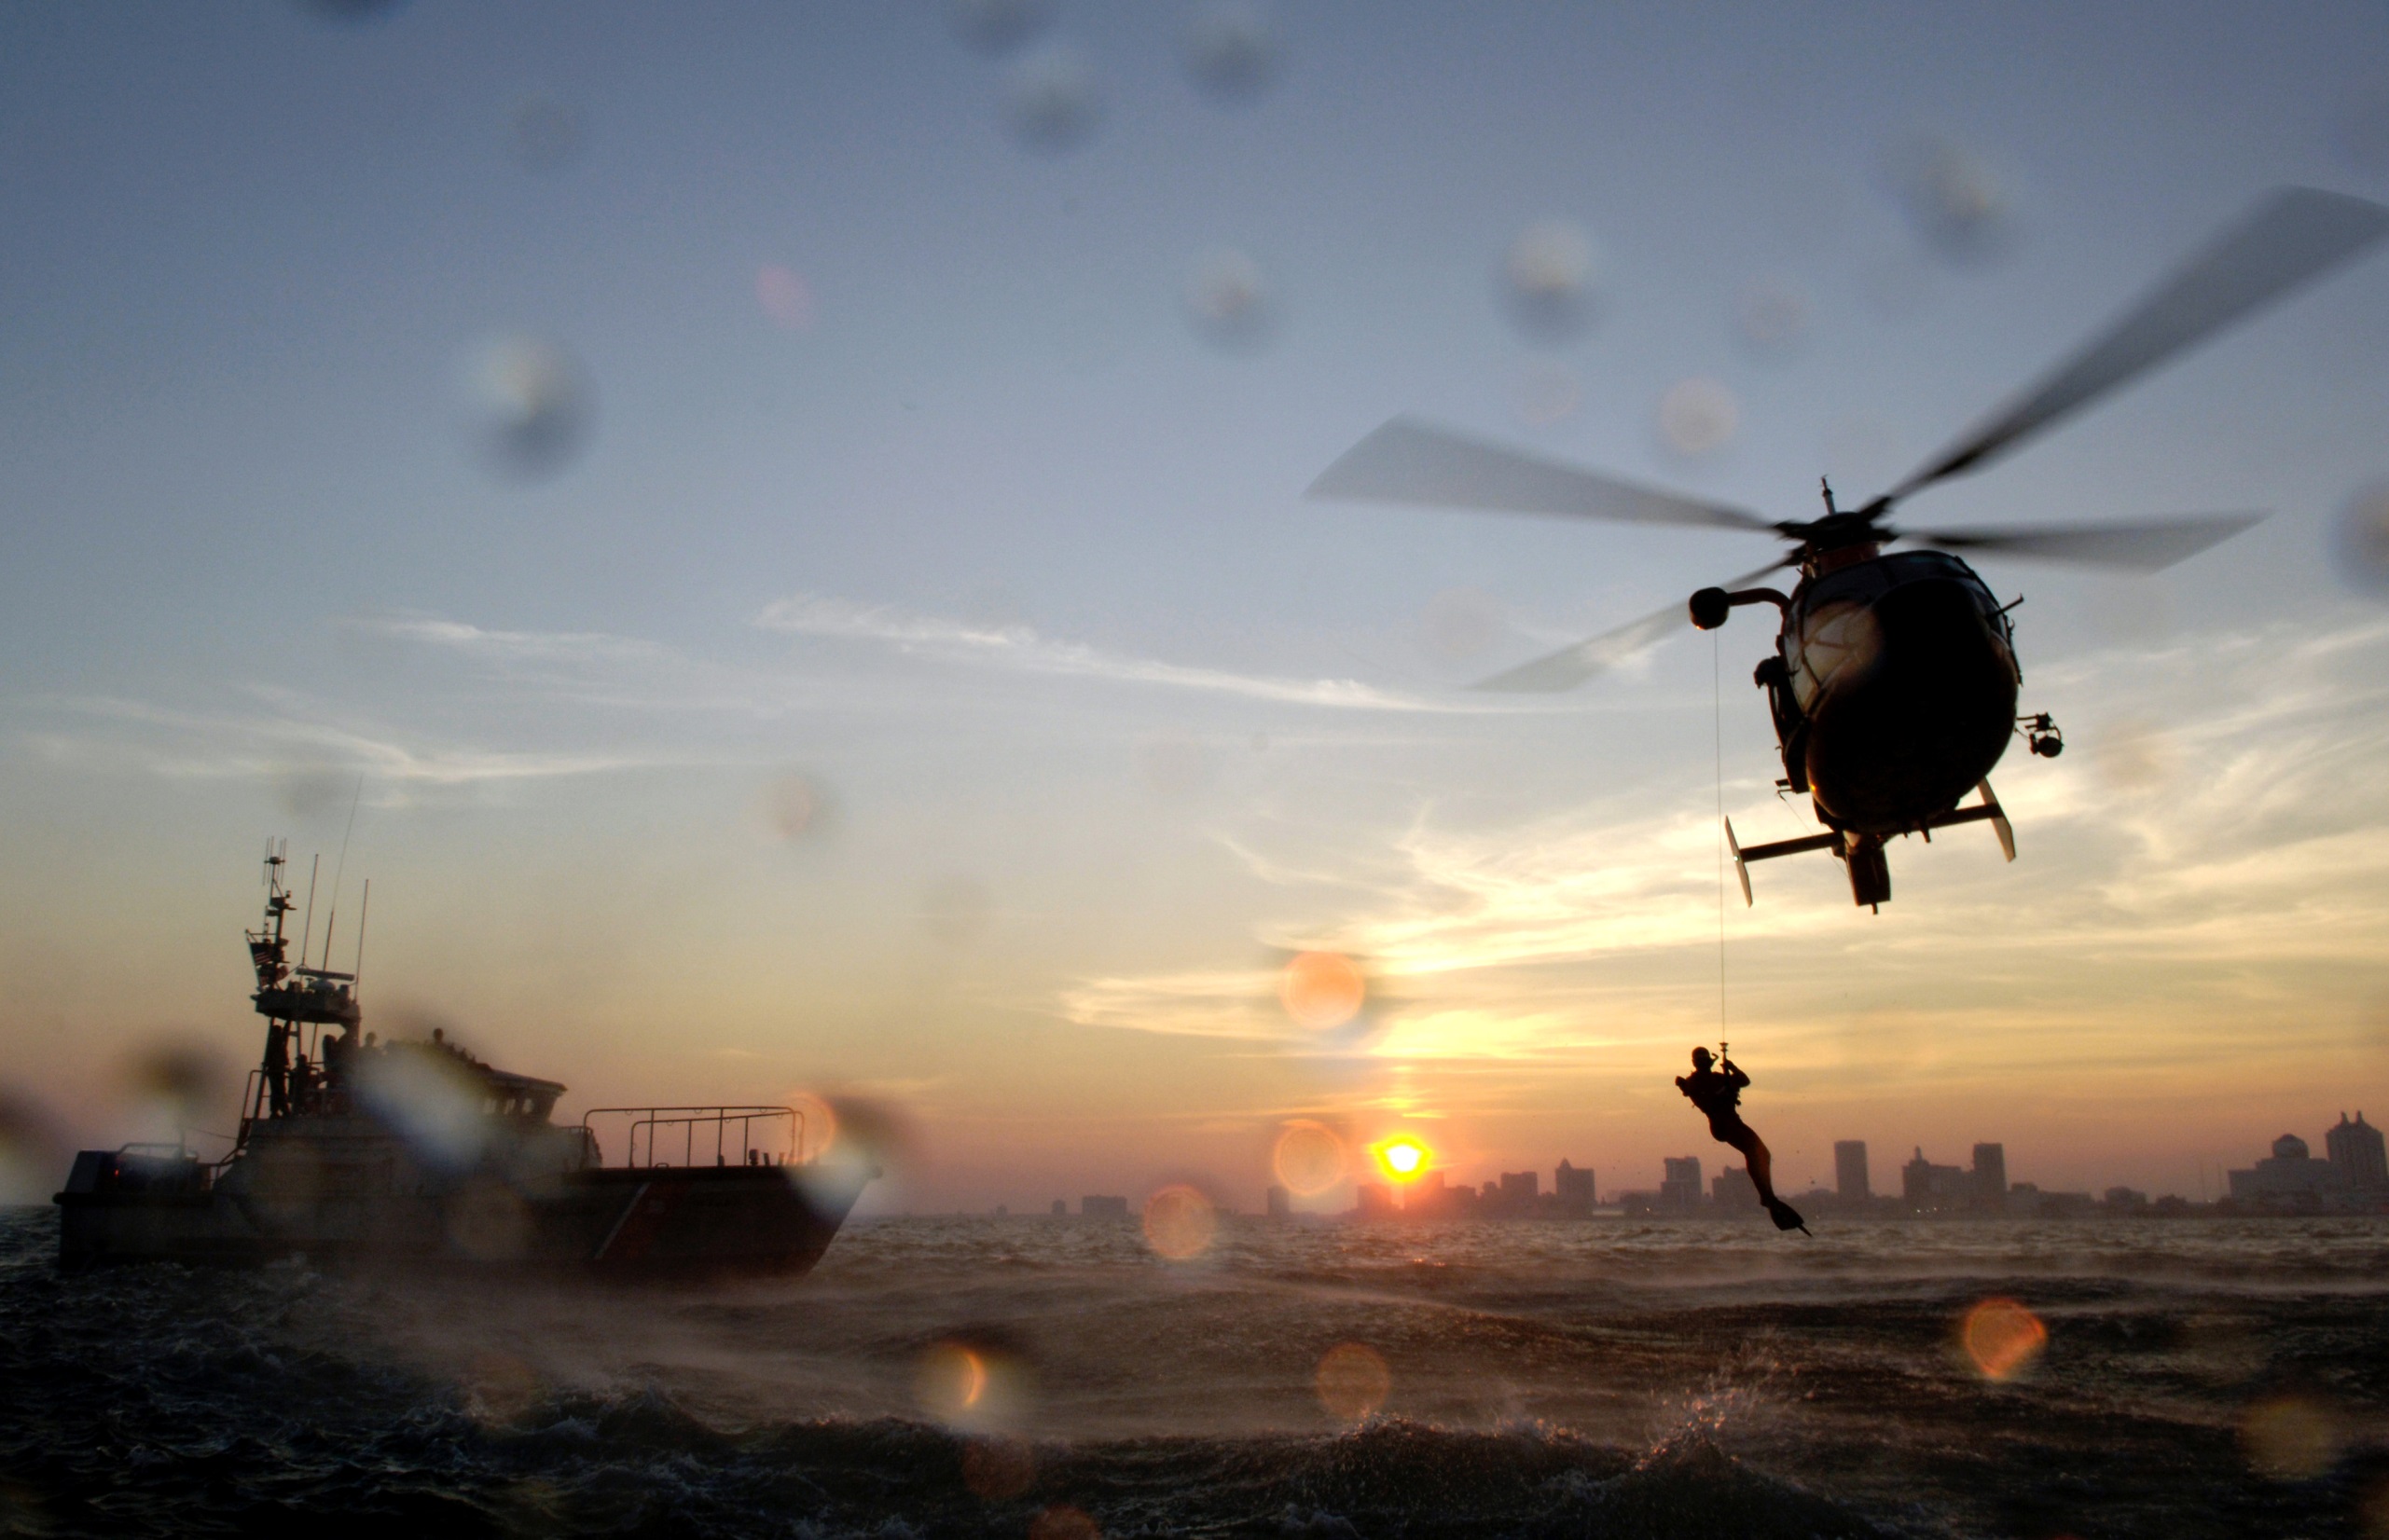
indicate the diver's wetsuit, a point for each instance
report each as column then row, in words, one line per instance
column 1718, row 1092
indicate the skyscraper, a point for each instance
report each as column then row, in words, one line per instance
column 1850, row 1171
column 1991, row 1176
column 1682, row 1187
column 2356, row 1151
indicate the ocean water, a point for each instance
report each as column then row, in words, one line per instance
column 1055, row 1378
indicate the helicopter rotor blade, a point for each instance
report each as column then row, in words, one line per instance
column 2147, row 547
column 1572, row 666
column 1410, row 461
column 2295, row 235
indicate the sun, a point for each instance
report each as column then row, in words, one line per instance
column 1401, row 1156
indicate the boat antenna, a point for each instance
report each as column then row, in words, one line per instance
column 338, row 867
column 365, row 909
column 313, row 868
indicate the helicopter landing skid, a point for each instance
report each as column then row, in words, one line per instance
column 1869, row 874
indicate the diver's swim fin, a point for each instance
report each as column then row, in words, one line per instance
column 1786, row 1217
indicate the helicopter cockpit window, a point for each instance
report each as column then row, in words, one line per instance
column 1838, row 635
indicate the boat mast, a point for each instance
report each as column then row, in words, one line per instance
column 287, row 998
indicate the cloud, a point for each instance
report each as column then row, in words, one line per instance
column 1020, row 649
column 598, row 669
column 198, row 744
column 2217, row 893
column 556, row 646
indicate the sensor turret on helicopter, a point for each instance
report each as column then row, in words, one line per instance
column 1894, row 681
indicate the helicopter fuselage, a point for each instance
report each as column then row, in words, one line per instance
column 1893, row 687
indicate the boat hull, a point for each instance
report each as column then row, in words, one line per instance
column 694, row 1221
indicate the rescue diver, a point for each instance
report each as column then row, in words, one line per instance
column 1715, row 1091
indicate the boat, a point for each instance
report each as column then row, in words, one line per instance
column 356, row 1152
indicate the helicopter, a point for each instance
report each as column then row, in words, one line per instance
column 1894, row 681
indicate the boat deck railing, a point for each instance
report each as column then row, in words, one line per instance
column 700, row 1136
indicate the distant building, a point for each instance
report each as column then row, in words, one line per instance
column 1060, row 1207
column 1373, row 1200
column 1573, row 1186
column 1991, row 1176
column 2289, row 1177
column 2124, row 1200
column 1927, row 1186
column 2357, row 1153
column 1682, row 1190
column 1281, row 1204
column 1733, row 1190
column 1103, row 1208
column 1519, row 1188
column 1427, row 1195
column 1850, row 1171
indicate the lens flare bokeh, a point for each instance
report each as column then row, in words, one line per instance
column 973, row 1381
column 2291, row 1437
column 1063, row 1522
column 2002, row 1337
column 1322, row 990
column 1307, row 1158
column 1180, row 1222
column 1352, row 1380
column 998, row 1469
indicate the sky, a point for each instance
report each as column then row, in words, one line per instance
column 774, row 535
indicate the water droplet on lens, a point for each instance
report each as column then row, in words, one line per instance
column 1063, row 1522
column 998, row 1469
column 1549, row 277
column 1052, row 101
column 1352, row 1380
column 1307, row 1158
column 955, row 911
column 2360, row 540
column 1179, row 1223
column 2291, row 1437
column 1231, row 52
column 1322, row 990
column 1698, row 417
column 2002, row 1337
column 785, row 297
column 1461, row 622
column 999, row 26
column 33, row 1155
column 1771, row 317
column 1957, row 205
column 1547, row 394
column 1227, row 301
column 795, row 809
column 528, row 403
column 311, row 791
column 2132, row 755
column 545, row 134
